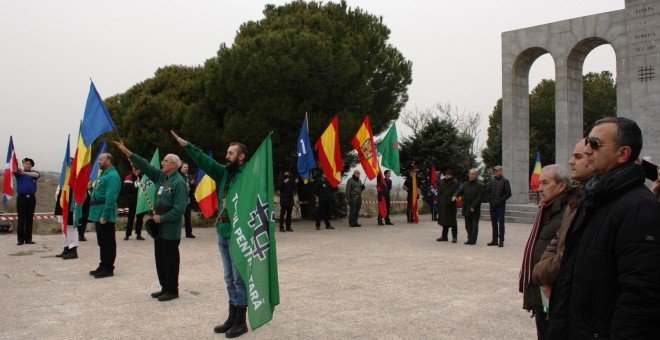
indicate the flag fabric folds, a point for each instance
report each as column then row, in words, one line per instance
column 96, row 121
column 306, row 161
column 389, row 149
column 363, row 142
column 414, row 206
column 535, row 180
column 206, row 193
column 330, row 154
column 65, row 190
column 146, row 188
column 434, row 189
column 11, row 166
column 251, row 212
column 95, row 167
column 382, row 204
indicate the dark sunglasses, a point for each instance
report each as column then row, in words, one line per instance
column 594, row 143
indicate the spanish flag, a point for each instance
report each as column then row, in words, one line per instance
column 96, row 121
column 363, row 142
column 534, row 182
column 206, row 193
column 330, row 154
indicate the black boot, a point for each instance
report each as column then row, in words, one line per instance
column 453, row 239
column 492, row 243
column 71, row 254
column 282, row 228
column 230, row 321
column 64, row 251
column 240, row 326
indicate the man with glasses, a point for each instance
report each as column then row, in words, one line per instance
column 609, row 278
column 225, row 176
column 170, row 200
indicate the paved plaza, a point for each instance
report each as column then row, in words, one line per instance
column 370, row 282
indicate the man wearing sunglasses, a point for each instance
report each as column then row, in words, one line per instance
column 608, row 284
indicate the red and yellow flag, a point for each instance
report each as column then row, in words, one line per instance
column 330, row 154
column 363, row 142
column 535, row 181
column 206, row 193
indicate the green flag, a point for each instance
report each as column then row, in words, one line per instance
column 251, row 210
column 389, row 148
column 147, row 189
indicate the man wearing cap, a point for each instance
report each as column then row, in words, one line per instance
column 170, row 200
column 103, row 212
column 447, row 215
column 26, row 182
column 499, row 190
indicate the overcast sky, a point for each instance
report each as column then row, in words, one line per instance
column 50, row 49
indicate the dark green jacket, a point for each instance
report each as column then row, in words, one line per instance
column 107, row 189
column 354, row 189
column 219, row 173
column 473, row 193
column 174, row 194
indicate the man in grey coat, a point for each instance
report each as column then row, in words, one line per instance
column 354, row 196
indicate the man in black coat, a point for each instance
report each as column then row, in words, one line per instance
column 287, row 187
column 447, row 215
column 472, row 192
column 499, row 190
column 609, row 278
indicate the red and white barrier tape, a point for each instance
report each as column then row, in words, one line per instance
column 47, row 216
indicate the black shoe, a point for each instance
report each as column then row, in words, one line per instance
column 19, row 243
column 501, row 244
column 230, row 321
column 381, row 223
column 126, row 238
column 453, row 240
column 442, row 239
column 168, row 296
column 289, row 229
column 66, row 250
column 389, row 223
column 358, row 225
column 103, row 273
column 140, row 238
column 157, row 294
column 29, row 242
column 93, row 272
column 71, row 254
column 190, row 236
column 281, row 229
column 329, row 227
column 494, row 243
column 239, row 327
column 467, row 242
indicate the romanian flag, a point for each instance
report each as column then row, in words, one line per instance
column 96, row 121
column 330, row 154
column 11, row 167
column 535, row 181
column 414, row 207
column 206, row 193
column 364, row 144
column 65, row 190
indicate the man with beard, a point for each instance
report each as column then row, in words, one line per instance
column 169, row 201
column 354, row 195
column 472, row 192
column 225, row 176
column 447, row 215
column 554, row 181
column 608, row 282
column 287, row 187
column 103, row 212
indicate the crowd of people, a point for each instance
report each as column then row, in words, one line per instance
column 590, row 267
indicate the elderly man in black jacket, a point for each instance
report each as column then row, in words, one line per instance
column 499, row 190
column 609, row 278
column 472, row 192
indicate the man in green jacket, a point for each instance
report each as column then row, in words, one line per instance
column 103, row 212
column 225, row 176
column 354, row 196
column 170, row 201
column 472, row 192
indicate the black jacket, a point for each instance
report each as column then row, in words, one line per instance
column 499, row 190
column 286, row 191
column 609, row 279
column 472, row 192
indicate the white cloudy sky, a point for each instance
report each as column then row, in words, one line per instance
column 50, row 49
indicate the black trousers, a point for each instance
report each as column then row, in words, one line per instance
column 105, row 237
column 542, row 323
column 285, row 214
column 472, row 227
column 167, row 264
column 323, row 213
column 134, row 220
column 25, row 208
column 454, row 231
column 187, row 218
column 82, row 226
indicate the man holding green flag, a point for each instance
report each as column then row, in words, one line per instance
column 246, row 232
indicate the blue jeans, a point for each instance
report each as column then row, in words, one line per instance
column 497, row 217
column 235, row 285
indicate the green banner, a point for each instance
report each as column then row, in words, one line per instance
column 147, row 189
column 251, row 210
column 389, row 149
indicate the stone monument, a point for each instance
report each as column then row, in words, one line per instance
column 633, row 33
